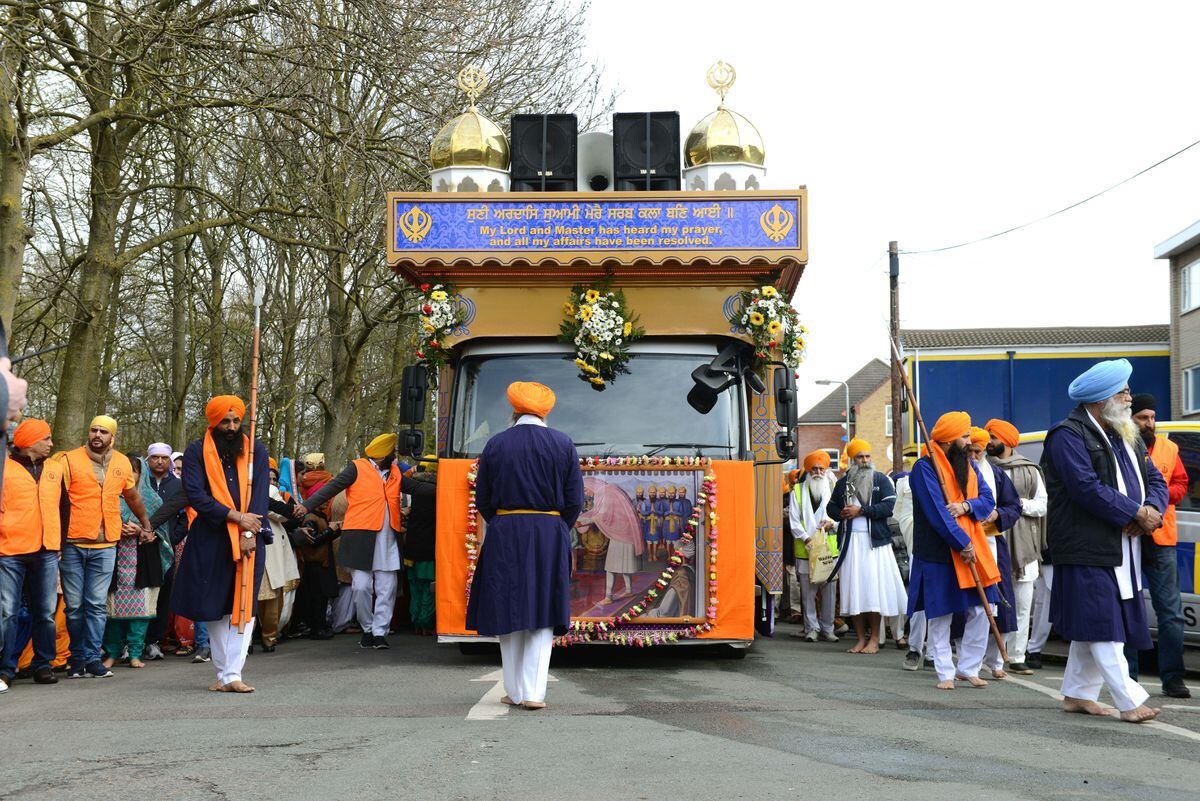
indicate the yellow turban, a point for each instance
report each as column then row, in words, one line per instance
column 530, row 397
column 1004, row 431
column 381, row 446
column 220, row 406
column 857, row 446
column 951, row 426
column 980, row 437
column 105, row 422
column 816, row 458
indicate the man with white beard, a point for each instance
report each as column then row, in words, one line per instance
column 870, row 587
column 1104, row 494
column 807, row 518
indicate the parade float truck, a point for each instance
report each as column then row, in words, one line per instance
column 680, row 540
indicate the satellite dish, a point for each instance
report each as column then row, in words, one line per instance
column 594, row 165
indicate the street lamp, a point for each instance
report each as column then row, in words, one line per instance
column 826, row 382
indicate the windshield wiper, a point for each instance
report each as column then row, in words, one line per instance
column 662, row 446
column 585, row 444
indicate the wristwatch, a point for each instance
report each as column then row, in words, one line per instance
column 248, row 535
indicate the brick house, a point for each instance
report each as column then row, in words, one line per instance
column 821, row 427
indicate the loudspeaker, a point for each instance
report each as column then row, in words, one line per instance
column 595, row 165
column 543, row 153
column 646, row 151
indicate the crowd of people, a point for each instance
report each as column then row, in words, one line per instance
column 1062, row 546
column 110, row 557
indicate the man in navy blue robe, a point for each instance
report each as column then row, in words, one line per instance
column 529, row 489
column 205, row 583
column 933, row 585
column 1105, row 495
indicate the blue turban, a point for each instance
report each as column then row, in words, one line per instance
column 1101, row 381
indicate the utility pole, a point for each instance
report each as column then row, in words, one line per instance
column 894, row 333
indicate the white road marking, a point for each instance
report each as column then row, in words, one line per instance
column 490, row 707
column 1154, row 724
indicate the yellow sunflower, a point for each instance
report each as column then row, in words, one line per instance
column 438, row 295
column 606, row 355
column 429, row 329
column 568, row 310
column 628, row 329
column 756, row 318
column 591, row 370
column 585, row 313
column 773, row 327
column 591, row 296
column 581, row 364
column 597, row 380
column 769, row 291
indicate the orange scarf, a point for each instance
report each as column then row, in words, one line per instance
column 985, row 563
column 243, row 602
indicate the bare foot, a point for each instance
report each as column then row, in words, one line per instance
column 1143, row 714
column 504, row 699
column 974, row 681
column 948, row 684
column 534, row 706
column 1083, row 707
column 871, row 648
column 136, row 663
column 605, row 601
column 858, row 648
column 237, row 687
column 108, row 663
column 216, row 687
column 1000, row 674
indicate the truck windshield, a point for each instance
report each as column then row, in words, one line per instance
column 643, row 413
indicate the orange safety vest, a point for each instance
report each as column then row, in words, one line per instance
column 29, row 518
column 368, row 496
column 94, row 509
column 1164, row 456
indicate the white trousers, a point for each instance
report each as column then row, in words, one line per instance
column 374, row 594
column 795, row 594
column 939, row 646
column 1015, row 642
column 828, row 599
column 525, row 658
column 916, row 633
column 229, row 648
column 608, row 584
column 970, row 649
column 341, row 609
column 1092, row 664
column 1041, row 610
column 285, row 615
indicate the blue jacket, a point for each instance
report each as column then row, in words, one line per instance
column 877, row 512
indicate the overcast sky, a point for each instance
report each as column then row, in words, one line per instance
column 937, row 123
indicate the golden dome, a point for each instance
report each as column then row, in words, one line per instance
column 723, row 137
column 470, row 140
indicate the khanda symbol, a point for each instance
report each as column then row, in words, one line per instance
column 776, row 222
column 415, row 224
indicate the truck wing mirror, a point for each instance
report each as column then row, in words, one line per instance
column 414, row 389
column 412, row 442
column 786, row 413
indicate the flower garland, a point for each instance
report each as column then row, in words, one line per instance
column 622, row 629
column 439, row 314
column 599, row 324
column 772, row 322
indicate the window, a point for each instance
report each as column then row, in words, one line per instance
column 1189, row 286
column 887, row 420
column 1189, row 452
column 1191, row 390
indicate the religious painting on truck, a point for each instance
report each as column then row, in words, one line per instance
column 633, row 521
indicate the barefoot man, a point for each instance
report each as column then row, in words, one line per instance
column 1104, row 495
column 219, row 565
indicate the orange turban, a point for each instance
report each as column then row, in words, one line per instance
column 979, row 436
column 30, row 432
column 1004, row 431
column 222, row 405
column 951, row 426
column 274, row 465
column 816, row 458
column 857, row 446
column 530, row 397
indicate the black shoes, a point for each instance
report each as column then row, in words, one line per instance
column 381, row 644
column 1033, row 661
column 1175, row 688
column 97, row 670
column 268, row 649
column 320, row 634
column 1021, row 668
column 44, row 675
column 367, row 641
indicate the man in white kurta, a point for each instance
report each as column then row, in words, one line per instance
column 808, row 519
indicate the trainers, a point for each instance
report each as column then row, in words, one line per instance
column 202, row 655
column 811, row 636
column 1034, row 661
column 3, row 685
column 827, row 637
column 97, row 670
column 153, row 653
column 367, row 641
column 912, row 660
column 1020, row 668
column 44, row 675
column 75, row 672
column 381, row 644
column 1175, row 688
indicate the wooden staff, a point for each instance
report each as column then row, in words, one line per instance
column 929, row 443
column 247, row 560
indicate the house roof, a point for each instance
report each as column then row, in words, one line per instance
column 920, row 338
column 1186, row 239
column 832, row 408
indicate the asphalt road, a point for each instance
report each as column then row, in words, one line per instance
column 791, row 720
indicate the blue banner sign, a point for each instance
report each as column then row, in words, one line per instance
column 693, row 224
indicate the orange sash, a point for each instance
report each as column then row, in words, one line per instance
column 220, row 492
column 985, row 563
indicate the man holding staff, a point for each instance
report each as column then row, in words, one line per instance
column 218, row 576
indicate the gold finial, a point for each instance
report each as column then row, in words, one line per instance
column 721, row 77
column 473, row 81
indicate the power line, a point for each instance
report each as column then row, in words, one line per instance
column 1054, row 213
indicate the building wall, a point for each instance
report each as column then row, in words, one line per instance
column 814, row 437
column 870, row 424
column 1185, row 335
